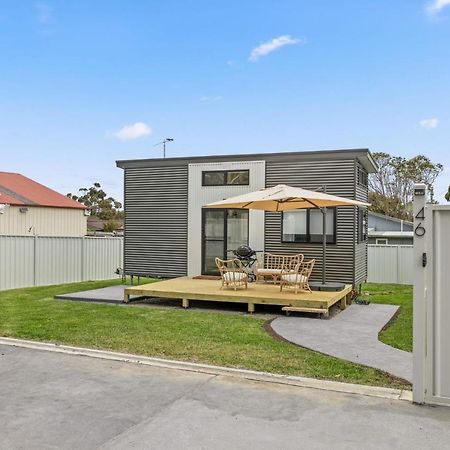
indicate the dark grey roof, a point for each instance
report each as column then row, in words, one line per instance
column 362, row 155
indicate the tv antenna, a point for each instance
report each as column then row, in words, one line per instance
column 163, row 143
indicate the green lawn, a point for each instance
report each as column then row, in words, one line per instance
column 399, row 333
column 209, row 337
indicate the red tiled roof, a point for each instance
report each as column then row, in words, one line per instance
column 15, row 189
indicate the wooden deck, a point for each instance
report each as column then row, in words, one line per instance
column 186, row 289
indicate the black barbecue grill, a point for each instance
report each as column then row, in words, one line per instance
column 247, row 256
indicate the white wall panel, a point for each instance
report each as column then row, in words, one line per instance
column 43, row 221
column 201, row 195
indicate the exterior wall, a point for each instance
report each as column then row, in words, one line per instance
column 384, row 223
column 339, row 178
column 158, row 193
column 392, row 240
column 201, row 195
column 43, row 221
column 361, row 251
column 156, row 220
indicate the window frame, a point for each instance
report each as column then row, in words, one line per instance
column 225, row 177
column 381, row 239
column 308, row 229
column 363, row 177
column 362, row 229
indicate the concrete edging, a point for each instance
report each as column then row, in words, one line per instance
column 312, row 383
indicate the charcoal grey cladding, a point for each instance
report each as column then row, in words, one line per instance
column 156, row 201
column 339, row 178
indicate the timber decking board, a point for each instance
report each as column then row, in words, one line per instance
column 187, row 288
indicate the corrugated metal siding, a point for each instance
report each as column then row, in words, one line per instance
column 58, row 260
column 43, row 221
column 339, row 178
column 16, row 262
column 156, row 216
column 201, row 195
column 37, row 261
column 101, row 256
column 391, row 264
column 361, row 194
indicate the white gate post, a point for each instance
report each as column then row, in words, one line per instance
column 420, row 293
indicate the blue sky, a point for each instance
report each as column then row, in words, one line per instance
column 86, row 82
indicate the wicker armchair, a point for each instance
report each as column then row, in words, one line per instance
column 299, row 277
column 272, row 265
column 232, row 273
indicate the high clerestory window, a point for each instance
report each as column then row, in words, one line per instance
column 225, row 178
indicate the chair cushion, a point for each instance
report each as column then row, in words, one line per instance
column 268, row 271
column 294, row 278
column 234, row 276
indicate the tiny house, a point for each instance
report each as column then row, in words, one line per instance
column 169, row 233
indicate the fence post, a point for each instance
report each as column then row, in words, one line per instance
column 34, row 259
column 82, row 259
column 419, row 294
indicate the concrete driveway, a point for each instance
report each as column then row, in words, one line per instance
column 52, row 400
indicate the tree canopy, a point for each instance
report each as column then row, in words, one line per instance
column 391, row 189
column 99, row 203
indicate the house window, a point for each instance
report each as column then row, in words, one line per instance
column 362, row 177
column 383, row 241
column 306, row 225
column 362, row 225
column 225, row 178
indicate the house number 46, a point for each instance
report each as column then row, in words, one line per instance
column 420, row 230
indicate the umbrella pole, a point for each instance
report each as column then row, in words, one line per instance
column 324, row 244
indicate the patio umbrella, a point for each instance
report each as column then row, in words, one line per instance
column 284, row 198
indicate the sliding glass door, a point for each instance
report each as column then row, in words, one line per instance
column 223, row 230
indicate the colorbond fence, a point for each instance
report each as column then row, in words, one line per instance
column 37, row 260
column 390, row 264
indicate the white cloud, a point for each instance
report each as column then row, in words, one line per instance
column 270, row 46
column 433, row 122
column 134, row 131
column 436, row 6
column 44, row 12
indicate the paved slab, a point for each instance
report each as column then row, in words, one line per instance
column 110, row 294
column 51, row 400
column 114, row 295
column 351, row 335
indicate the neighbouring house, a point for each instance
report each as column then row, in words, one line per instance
column 168, row 233
column 385, row 230
column 30, row 208
column 96, row 226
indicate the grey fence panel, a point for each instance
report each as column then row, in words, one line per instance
column 102, row 257
column 42, row 260
column 390, row 264
column 58, row 260
column 16, row 262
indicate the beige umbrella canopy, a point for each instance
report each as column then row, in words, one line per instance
column 285, row 198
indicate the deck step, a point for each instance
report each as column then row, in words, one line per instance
column 305, row 309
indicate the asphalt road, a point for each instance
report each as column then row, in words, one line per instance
column 57, row 401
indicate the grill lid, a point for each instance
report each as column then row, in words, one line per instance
column 244, row 251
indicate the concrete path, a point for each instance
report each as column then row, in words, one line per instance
column 51, row 400
column 351, row 335
column 110, row 294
